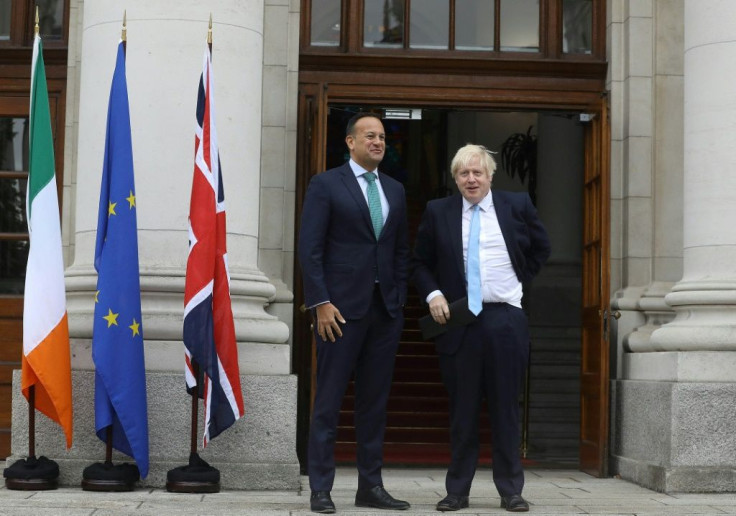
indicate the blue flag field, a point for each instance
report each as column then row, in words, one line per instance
column 117, row 341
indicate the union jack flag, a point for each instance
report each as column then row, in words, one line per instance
column 209, row 331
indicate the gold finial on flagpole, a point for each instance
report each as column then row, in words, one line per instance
column 209, row 32
column 36, row 29
column 124, row 35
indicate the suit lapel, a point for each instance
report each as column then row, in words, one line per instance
column 454, row 219
column 392, row 196
column 351, row 184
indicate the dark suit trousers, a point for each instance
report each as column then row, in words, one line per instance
column 490, row 362
column 368, row 347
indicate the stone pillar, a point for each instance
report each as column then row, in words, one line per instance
column 278, row 151
column 675, row 422
column 655, row 168
column 166, row 42
column 705, row 298
column 632, row 28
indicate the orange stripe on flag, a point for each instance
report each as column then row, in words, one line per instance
column 48, row 367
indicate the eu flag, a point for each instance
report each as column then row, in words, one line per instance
column 117, row 340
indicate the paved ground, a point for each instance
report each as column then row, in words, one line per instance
column 552, row 492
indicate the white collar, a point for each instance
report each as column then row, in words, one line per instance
column 485, row 204
column 359, row 171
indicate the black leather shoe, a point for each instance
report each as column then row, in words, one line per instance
column 514, row 503
column 452, row 503
column 321, row 502
column 378, row 498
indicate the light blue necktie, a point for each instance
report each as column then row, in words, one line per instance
column 374, row 203
column 475, row 300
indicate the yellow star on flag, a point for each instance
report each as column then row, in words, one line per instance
column 111, row 318
column 135, row 327
column 97, row 297
column 131, row 199
column 111, row 208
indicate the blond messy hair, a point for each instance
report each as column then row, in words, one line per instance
column 468, row 153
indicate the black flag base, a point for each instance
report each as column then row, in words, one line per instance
column 106, row 476
column 197, row 477
column 32, row 474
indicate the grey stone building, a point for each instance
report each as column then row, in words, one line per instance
column 632, row 110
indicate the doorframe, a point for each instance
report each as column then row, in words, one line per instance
column 316, row 93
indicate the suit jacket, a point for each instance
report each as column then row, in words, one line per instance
column 338, row 251
column 437, row 261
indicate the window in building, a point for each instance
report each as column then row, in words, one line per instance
column 17, row 18
column 13, row 225
column 474, row 25
column 50, row 18
column 429, row 26
column 532, row 29
column 383, row 23
column 577, row 26
column 520, row 25
column 325, row 29
column 5, row 11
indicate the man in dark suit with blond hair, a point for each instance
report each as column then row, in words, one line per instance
column 481, row 244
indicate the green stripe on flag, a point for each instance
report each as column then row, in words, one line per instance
column 41, row 144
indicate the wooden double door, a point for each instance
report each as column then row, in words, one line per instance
column 418, row 420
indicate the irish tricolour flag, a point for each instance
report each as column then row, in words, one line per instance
column 46, row 361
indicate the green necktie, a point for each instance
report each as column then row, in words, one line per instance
column 374, row 203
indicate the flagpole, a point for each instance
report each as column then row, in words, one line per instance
column 32, row 389
column 108, row 433
column 32, row 421
column 195, row 409
column 124, row 35
column 195, row 365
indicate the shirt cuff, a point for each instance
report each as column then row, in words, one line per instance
column 433, row 295
column 315, row 305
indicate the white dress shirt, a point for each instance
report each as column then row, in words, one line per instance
column 499, row 283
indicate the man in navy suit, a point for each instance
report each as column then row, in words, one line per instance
column 354, row 256
column 487, row 357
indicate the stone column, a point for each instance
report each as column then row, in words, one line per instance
column 654, row 166
column 166, row 42
column 705, row 298
column 676, row 427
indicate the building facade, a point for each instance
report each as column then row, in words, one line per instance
column 625, row 104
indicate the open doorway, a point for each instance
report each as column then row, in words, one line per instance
column 420, row 145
